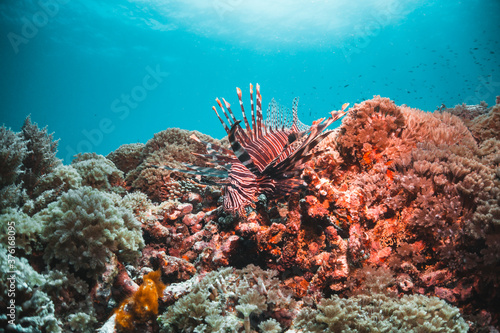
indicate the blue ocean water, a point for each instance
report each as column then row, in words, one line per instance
column 104, row 73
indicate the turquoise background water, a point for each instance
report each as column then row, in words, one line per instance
column 104, row 73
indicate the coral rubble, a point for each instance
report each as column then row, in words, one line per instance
column 397, row 228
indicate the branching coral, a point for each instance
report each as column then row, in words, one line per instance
column 41, row 158
column 13, row 151
column 85, row 227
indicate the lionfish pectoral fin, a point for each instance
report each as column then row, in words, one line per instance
column 241, row 152
column 205, row 181
column 195, row 170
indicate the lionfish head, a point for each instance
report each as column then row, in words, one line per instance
column 266, row 156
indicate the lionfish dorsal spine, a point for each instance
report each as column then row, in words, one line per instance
column 228, row 107
column 221, row 121
column 252, row 114
column 247, row 125
column 295, row 107
column 225, row 113
column 241, row 135
column 260, row 129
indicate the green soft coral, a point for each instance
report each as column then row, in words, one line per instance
column 86, row 227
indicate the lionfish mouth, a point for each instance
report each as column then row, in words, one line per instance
column 267, row 157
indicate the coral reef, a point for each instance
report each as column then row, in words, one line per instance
column 397, row 228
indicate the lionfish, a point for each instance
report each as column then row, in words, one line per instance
column 266, row 157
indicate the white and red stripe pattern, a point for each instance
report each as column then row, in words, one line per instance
column 266, row 157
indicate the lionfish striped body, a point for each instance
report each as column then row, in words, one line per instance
column 266, row 157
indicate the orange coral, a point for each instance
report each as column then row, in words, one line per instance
column 142, row 305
